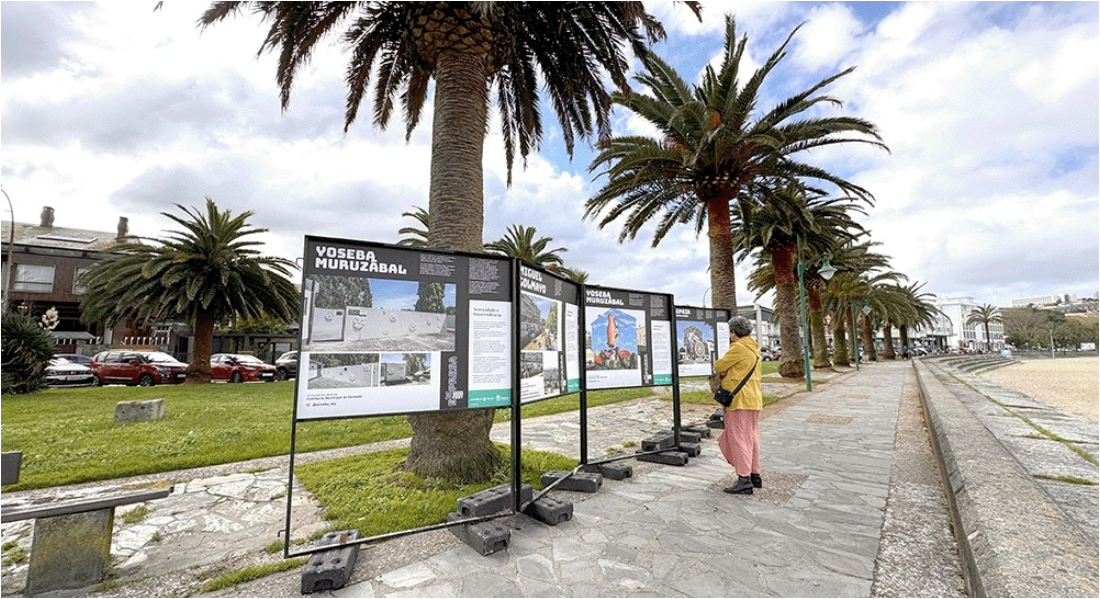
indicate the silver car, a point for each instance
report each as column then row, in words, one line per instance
column 63, row 373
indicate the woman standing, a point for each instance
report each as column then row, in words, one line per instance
column 740, row 441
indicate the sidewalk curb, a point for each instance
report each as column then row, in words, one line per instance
column 1013, row 540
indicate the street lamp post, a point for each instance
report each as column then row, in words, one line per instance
column 11, row 250
column 826, row 271
column 855, row 334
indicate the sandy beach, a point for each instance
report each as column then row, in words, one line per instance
column 1071, row 384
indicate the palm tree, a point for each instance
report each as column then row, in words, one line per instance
column 469, row 49
column 983, row 315
column 521, row 242
column 713, row 146
column 207, row 273
column 922, row 312
column 789, row 224
column 846, row 294
column 417, row 238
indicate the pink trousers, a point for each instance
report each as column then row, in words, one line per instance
column 740, row 441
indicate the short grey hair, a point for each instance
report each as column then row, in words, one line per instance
column 741, row 326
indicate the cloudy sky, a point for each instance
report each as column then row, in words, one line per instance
column 990, row 110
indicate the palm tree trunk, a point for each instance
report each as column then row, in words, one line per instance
column 786, row 304
column 817, row 326
column 723, row 286
column 869, row 339
column 840, row 341
column 456, row 446
column 903, row 332
column 888, row 352
column 198, row 371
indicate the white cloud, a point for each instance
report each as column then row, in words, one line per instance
column 990, row 111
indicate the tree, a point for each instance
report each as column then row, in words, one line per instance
column 340, row 292
column 922, row 312
column 204, row 274
column 984, row 315
column 429, row 297
column 520, row 242
column 789, row 224
column 417, row 238
column 468, row 48
column 714, row 145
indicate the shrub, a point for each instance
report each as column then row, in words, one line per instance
column 26, row 350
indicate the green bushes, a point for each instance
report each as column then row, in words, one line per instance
column 26, row 352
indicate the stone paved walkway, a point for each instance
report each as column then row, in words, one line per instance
column 814, row 530
column 672, row 532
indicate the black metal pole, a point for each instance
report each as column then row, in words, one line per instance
column 671, row 304
column 582, row 324
column 517, row 409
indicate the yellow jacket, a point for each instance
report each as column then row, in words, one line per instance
column 742, row 354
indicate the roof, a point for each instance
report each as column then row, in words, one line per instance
column 59, row 237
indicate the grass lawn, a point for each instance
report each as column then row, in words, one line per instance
column 70, row 436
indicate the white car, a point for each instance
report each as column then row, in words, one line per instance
column 63, row 373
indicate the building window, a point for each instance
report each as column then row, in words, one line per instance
column 78, row 289
column 33, row 278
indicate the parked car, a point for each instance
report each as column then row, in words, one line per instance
column 76, row 359
column 63, row 373
column 130, row 367
column 287, row 364
column 241, row 368
column 768, row 355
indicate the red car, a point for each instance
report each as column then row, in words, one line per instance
column 241, row 368
column 130, row 367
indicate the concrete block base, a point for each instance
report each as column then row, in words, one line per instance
column 492, row 501
column 585, row 482
column 700, row 429
column 612, row 470
column 692, row 449
column 687, row 436
column 674, row 458
column 662, row 440
column 549, row 510
column 330, row 570
column 486, row 538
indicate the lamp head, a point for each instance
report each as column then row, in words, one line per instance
column 827, row 270
column 866, row 309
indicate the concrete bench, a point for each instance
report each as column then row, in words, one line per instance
column 71, row 547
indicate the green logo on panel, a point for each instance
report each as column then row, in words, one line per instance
column 492, row 398
column 573, row 385
column 662, row 379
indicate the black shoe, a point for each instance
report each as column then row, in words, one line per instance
column 757, row 482
column 743, row 486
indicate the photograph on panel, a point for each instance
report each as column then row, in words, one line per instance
column 342, row 371
column 405, row 369
column 540, row 323
column 369, row 314
column 695, row 347
column 613, row 339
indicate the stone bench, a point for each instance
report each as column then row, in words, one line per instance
column 71, row 547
